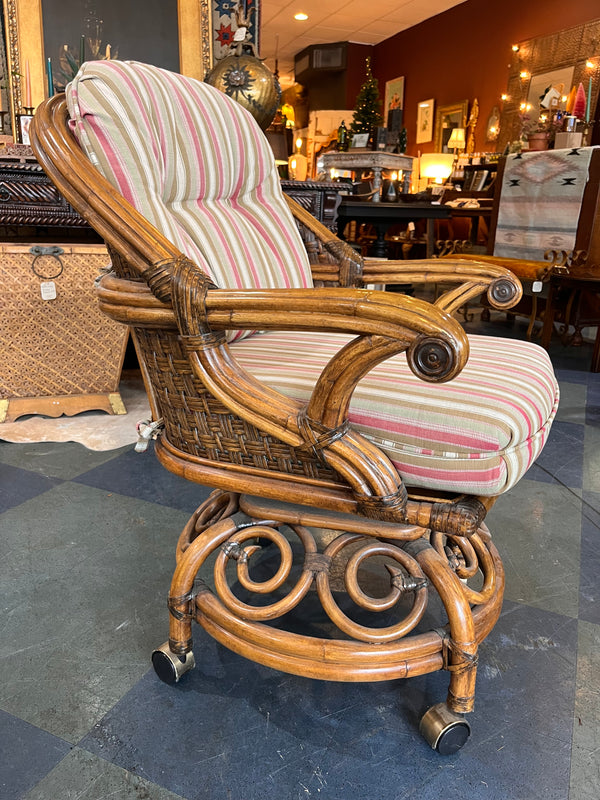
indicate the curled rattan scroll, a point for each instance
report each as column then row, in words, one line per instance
column 430, row 358
column 504, row 293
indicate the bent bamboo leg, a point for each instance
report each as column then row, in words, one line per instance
column 461, row 645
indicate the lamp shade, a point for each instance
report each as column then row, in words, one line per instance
column 278, row 142
column 437, row 166
column 457, row 138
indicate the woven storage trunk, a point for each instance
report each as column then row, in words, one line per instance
column 60, row 355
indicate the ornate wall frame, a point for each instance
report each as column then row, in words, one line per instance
column 25, row 43
column 456, row 114
column 571, row 47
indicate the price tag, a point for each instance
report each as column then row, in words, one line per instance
column 48, row 290
column 537, row 286
column 239, row 35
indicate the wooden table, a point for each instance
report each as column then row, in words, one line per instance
column 359, row 159
column 383, row 215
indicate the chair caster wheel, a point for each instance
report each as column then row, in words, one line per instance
column 445, row 731
column 170, row 667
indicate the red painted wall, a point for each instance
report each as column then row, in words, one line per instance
column 464, row 53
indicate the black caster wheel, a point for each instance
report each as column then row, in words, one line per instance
column 170, row 667
column 445, row 731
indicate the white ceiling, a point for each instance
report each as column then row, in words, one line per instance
column 335, row 21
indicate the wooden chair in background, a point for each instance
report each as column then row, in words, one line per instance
column 551, row 245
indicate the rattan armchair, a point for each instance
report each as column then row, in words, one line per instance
column 317, row 423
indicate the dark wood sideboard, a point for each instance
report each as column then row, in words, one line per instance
column 32, row 210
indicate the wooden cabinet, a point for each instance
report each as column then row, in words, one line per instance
column 319, row 198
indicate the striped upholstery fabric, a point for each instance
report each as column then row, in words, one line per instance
column 195, row 164
column 476, row 434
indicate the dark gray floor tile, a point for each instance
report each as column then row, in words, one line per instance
column 589, row 583
column 18, row 485
column 236, row 729
column 55, row 459
column 83, row 776
column 585, row 764
column 26, row 755
column 141, row 475
column 572, row 402
column 571, row 375
column 591, row 459
column 537, row 529
column 83, row 585
column 562, row 456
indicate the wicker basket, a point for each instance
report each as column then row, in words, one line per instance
column 60, row 354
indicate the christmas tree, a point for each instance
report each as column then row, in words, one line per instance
column 367, row 113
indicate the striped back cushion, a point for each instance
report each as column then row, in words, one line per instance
column 196, row 165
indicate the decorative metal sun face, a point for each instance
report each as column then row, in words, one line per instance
column 250, row 83
column 237, row 81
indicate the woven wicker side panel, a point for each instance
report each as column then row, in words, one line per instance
column 198, row 424
column 64, row 346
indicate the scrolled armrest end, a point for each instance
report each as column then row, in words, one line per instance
column 505, row 292
column 432, row 359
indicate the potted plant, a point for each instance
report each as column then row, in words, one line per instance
column 539, row 132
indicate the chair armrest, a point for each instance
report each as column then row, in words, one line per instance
column 474, row 275
column 345, row 264
column 385, row 325
column 523, row 269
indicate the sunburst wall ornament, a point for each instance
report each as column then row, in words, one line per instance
column 244, row 77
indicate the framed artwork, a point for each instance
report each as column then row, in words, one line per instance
column 23, row 123
column 360, row 140
column 394, row 96
column 425, row 121
column 446, row 118
column 190, row 22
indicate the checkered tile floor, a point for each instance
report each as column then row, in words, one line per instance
column 87, row 543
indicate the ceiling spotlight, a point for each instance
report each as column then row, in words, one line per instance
column 301, row 16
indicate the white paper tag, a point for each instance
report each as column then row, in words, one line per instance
column 239, row 35
column 537, row 286
column 48, row 290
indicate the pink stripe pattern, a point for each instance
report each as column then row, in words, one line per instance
column 196, row 165
column 477, row 434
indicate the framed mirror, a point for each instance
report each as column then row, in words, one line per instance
column 446, row 118
column 567, row 58
column 25, row 36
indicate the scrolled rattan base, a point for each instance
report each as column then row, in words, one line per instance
column 305, row 565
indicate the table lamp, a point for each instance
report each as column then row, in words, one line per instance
column 278, row 142
column 297, row 164
column 457, row 140
column 436, row 167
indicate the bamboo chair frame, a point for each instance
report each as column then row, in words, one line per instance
column 300, row 466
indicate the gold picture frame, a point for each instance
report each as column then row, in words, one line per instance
column 394, row 97
column 425, row 121
column 24, row 32
column 453, row 115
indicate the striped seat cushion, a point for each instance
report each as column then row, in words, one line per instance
column 476, row 434
column 196, row 165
